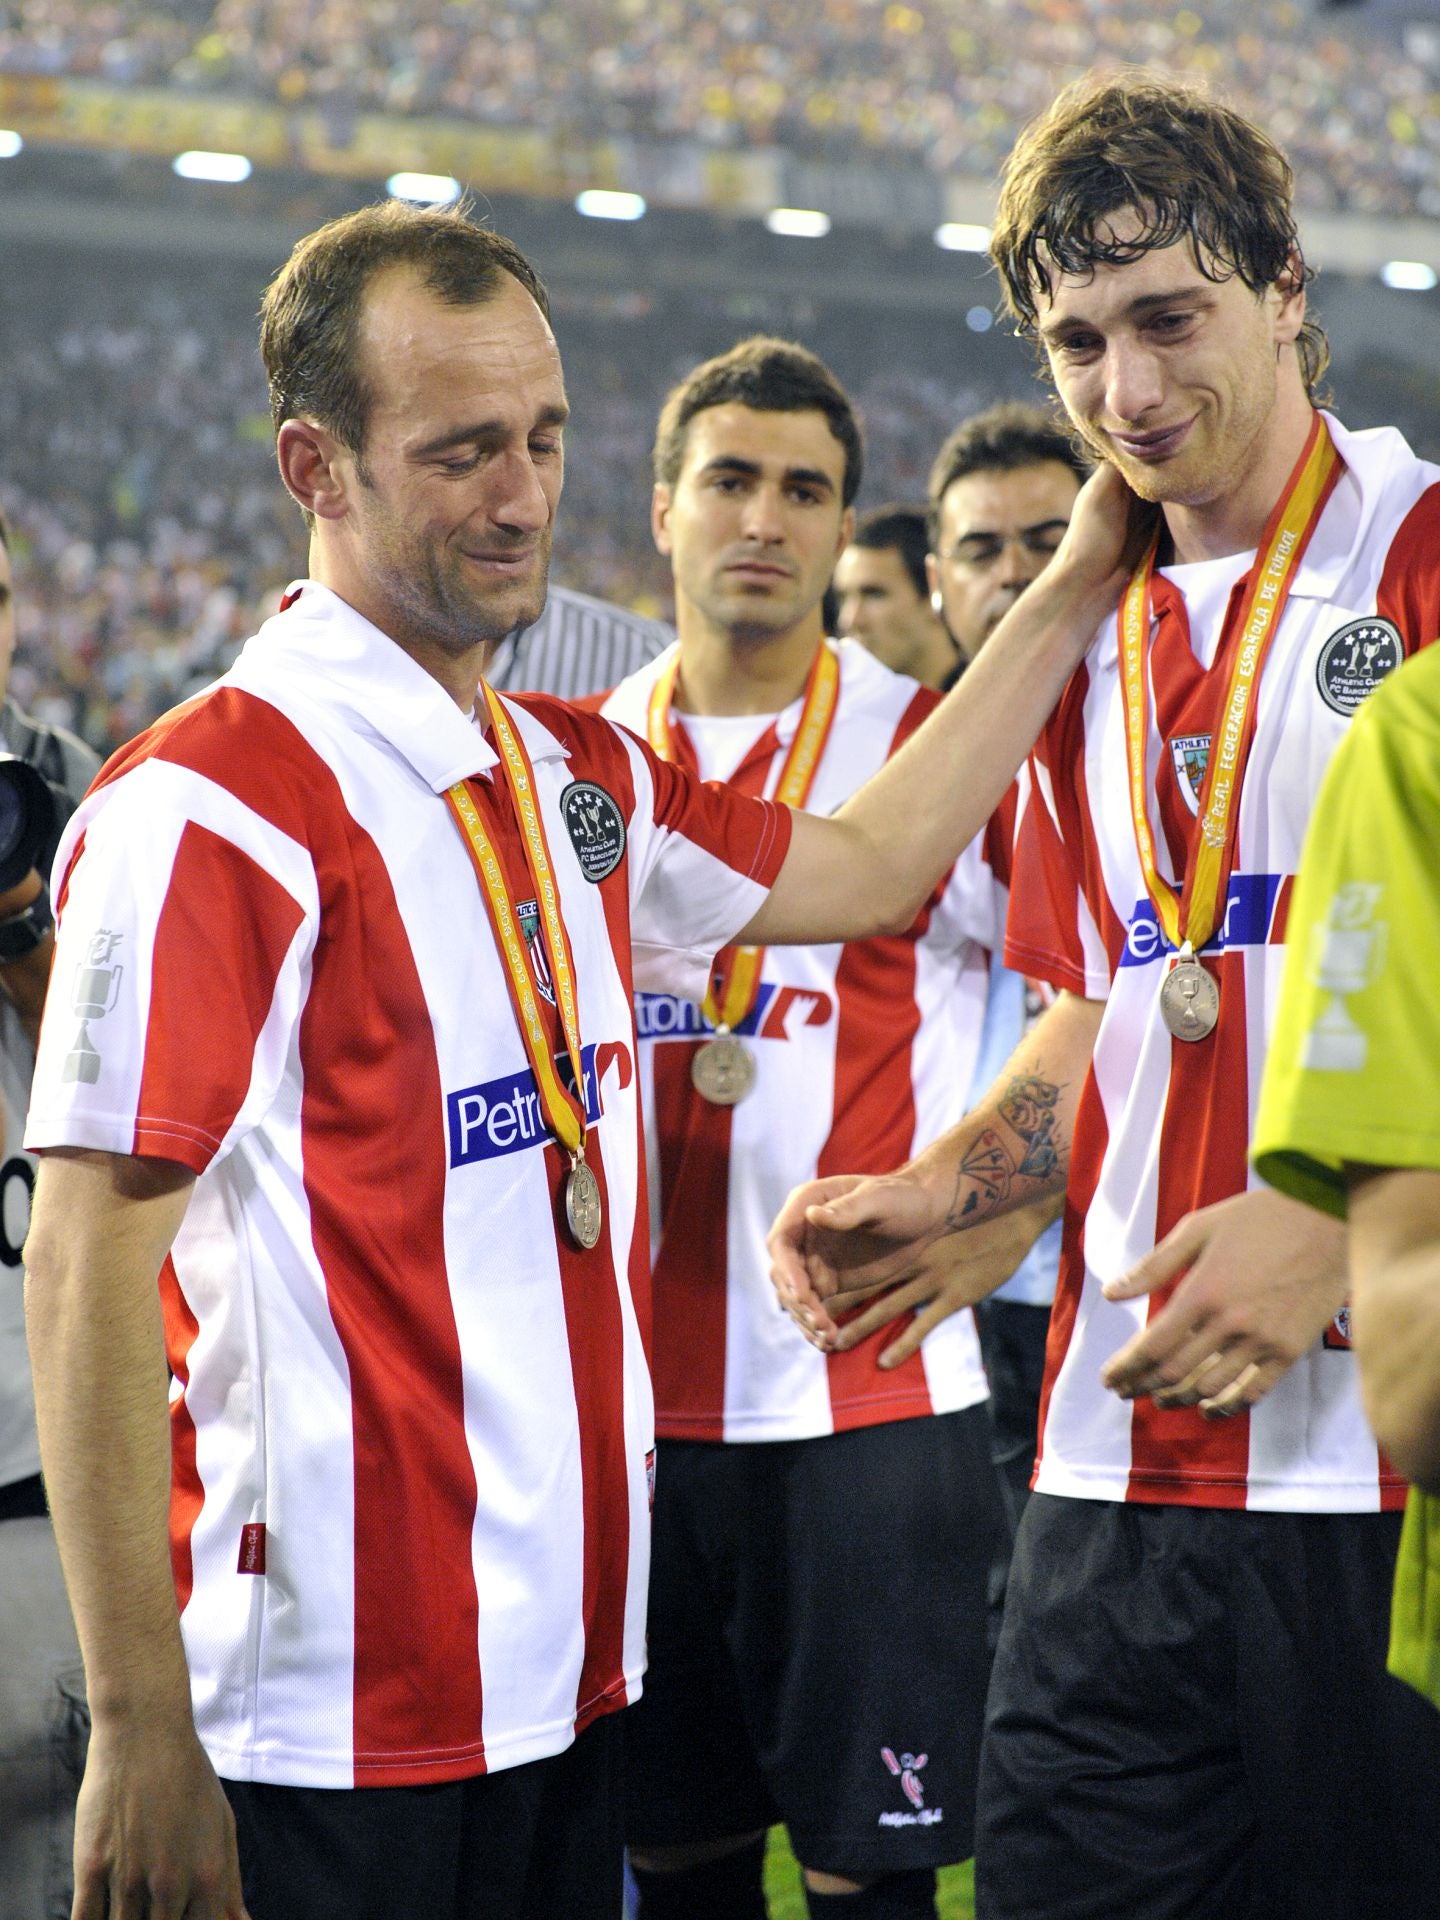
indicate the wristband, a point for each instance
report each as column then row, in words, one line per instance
column 22, row 932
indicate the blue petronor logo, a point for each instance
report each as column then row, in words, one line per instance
column 1355, row 660
column 1252, row 919
column 504, row 1116
column 778, row 1014
column 1190, row 753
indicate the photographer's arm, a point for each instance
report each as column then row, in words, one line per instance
column 152, row 1821
column 24, row 979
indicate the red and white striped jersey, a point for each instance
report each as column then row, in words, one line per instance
column 1163, row 1124
column 864, row 1052
column 411, row 1419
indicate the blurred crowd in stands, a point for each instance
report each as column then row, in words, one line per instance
column 940, row 83
column 151, row 531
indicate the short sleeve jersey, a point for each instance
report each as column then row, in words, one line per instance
column 863, row 1054
column 411, row 1418
column 1353, row 1072
column 1163, row 1125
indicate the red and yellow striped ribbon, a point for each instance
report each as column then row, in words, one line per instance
column 564, row 1111
column 1191, row 917
column 797, row 776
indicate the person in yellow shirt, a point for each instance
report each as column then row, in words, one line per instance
column 1349, row 1116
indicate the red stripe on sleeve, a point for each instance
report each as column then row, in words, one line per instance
column 220, row 941
column 187, row 1496
column 1409, row 591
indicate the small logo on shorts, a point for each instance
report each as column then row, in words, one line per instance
column 1355, row 660
column 907, row 1771
column 596, row 829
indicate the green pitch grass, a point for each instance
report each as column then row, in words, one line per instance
column 787, row 1902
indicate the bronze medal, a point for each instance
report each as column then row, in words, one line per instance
column 1189, row 999
column 583, row 1211
column 723, row 1071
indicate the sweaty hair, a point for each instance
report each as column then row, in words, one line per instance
column 1000, row 440
column 1186, row 166
column 310, row 315
column 772, row 376
column 898, row 529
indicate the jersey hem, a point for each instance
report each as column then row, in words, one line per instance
column 1384, row 1493
column 286, row 1768
column 1055, row 971
column 848, row 1418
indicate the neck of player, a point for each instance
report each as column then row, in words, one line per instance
column 1235, row 519
column 727, row 672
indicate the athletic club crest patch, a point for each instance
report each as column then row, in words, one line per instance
column 1355, row 660
column 528, row 913
column 1190, row 753
column 596, row 829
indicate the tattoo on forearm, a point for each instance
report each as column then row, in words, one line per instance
column 982, row 1184
column 984, row 1177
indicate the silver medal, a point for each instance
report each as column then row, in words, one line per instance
column 1189, row 998
column 583, row 1212
column 723, row 1071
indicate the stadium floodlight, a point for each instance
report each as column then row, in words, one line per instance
column 979, row 319
column 425, row 189
column 10, row 144
column 1410, row 276
column 196, row 164
column 958, row 236
column 798, row 223
column 599, row 203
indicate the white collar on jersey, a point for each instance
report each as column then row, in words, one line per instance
column 1372, row 458
column 343, row 660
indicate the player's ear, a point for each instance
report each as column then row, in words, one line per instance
column 1289, row 292
column 311, row 460
column 660, row 517
column 932, row 579
column 847, row 531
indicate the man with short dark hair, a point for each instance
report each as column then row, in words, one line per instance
column 42, row 1683
column 885, row 596
column 1190, row 1712
column 345, row 1055
column 1002, row 489
column 782, row 1472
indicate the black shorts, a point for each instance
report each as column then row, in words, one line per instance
column 528, row 1843
column 817, row 1644
column 1190, row 1716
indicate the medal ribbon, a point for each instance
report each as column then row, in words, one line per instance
column 797, row 776
column 1191, row 917
column 564, row 1111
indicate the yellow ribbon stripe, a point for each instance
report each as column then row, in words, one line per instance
column 564, row 1112
column 797, row 776
column 1210, row 856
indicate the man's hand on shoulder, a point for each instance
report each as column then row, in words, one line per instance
column 1260, row 1278
column 154, row 1834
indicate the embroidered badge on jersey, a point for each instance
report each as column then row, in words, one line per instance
column 1337, row 1334
column 596, row 829
column 529, row 913
column 1355, row 660
column 1190, row 753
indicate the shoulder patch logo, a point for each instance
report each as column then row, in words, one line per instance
column 596, row 829
column 1355, row 660
column 1190, row 753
